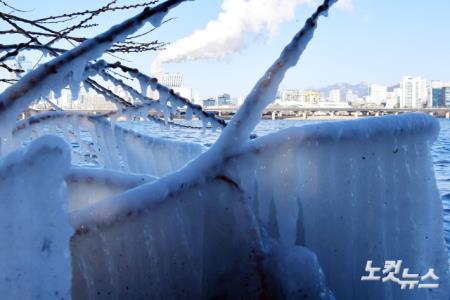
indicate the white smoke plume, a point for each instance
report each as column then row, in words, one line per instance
column 226, row 35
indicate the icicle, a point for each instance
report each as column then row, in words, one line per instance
column 156, row 19
column 188, row 115
column 86, row 87
column 113, row 120
column 204, row 122
column 57, row 93
column 214, row 126
column 173, row 106
column 144, row 85
column 74, row 89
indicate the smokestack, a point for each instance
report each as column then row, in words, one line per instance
column 226, row 35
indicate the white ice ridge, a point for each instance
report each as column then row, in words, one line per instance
column 68, row 68
column 34, row 222
column 350, row 191
column 108, row 145
column 87, row 186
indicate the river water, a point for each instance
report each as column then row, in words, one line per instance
column 440, row 150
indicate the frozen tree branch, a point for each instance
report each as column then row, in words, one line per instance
column 68, row 68
column 168, row 94
column 264, row 92
column 211, row 163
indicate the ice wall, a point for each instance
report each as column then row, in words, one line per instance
column 34, row 222
column 202, row 243
column 101, row 144
column 351, row 192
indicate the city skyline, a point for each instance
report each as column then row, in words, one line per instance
column 410, row 92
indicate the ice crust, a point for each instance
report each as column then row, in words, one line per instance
column 35, row 260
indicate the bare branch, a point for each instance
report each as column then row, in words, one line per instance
column 124, row 7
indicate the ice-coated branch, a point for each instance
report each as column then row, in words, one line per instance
column 167, row 94
column 264, row 92
column 110, row 95
column 114, row 179
column 69, row 67
column 211, row 163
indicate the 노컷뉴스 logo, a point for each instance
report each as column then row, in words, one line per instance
column 394, row 272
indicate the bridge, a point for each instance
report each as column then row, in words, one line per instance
column 284, row 112
column 280, row 112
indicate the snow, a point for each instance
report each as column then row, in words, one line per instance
column 34, row 222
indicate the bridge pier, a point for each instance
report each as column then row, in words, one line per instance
column 274, row 114
column 305, row 115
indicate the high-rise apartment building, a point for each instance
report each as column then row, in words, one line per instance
column 170, row 80
column 377, row 93
column 335, row 96
column 414, row 92
column 436, row 95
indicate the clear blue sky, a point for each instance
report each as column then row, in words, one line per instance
column 379, row 41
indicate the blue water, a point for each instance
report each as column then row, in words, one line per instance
column 440, row 150
column 441, row 158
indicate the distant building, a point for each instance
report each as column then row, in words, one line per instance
column 335, row 96
column 292, row 96
column 311, row 98
column 209, row 102
column 85, row 101
column 350, row 96
column 300, row 97
column 224, row 99
column 393, row 98
column 446, row 95
column 436, row 93
column 170, row 80
column 377, row 93
column 174, row 81
column 414, row 92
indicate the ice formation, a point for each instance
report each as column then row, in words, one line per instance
column 295, row 214
column 68, row 68
column 352, row 191
column 108, row 146
column 35, row 259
